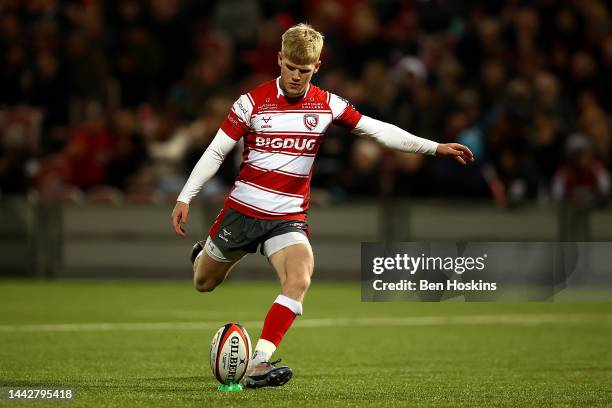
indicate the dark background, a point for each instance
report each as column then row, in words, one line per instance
column 113, row 101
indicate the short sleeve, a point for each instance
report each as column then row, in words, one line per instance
column 238, row 121
column 343, row 113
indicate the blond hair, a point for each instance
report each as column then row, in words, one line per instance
column 302, row 44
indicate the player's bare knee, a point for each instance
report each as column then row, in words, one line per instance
column 304, row 284
column 205, row 285
column 199, row 285
column 299, row 283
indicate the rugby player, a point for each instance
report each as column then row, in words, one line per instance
column 281, row 123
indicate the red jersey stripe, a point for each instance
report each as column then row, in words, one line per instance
column 278, row 182
column 253, row 211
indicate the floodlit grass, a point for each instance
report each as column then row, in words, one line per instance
column 421, row 354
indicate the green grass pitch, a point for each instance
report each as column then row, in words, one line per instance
column 146, row 344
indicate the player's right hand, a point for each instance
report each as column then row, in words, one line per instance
column 179, row 217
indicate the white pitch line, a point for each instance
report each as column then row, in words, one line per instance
column 521, row 320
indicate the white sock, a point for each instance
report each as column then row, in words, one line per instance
column 291, row 304
column 263, row 351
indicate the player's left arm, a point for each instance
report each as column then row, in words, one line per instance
column 395, row 138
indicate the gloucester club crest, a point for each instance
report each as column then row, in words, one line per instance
column 311, row 121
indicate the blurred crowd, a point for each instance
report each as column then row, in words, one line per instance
column 117, row 100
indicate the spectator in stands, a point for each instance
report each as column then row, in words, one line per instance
column 604, row 85
column 594, row 124
column 362, row 179
column 13, row 74
column 545, row 146
column 582, row 180
column 129, row 152
column 513, row 180
column 50, row 92
column 89, row 150
column 19, row 130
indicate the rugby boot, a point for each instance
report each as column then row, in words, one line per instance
column 266, row 374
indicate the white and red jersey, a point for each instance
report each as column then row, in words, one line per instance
column 281, row 141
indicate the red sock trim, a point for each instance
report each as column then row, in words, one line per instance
column 278, row 321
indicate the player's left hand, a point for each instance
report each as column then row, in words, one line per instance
column 455, row 150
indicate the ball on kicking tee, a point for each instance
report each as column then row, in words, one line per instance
column 230, row 352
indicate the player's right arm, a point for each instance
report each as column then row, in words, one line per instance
column 233, row 128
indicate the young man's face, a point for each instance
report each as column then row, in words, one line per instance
column 295, row 77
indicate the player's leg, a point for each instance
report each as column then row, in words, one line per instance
column 291, row 256
column 294, row 266
column 211, row 266
column 214, row 258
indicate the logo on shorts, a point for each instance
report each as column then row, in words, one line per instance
column 299, row 225
column 224, row 234
column 311, row 121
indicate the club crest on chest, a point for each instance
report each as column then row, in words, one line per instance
column 311, row 121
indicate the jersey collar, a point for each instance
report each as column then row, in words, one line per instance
column 279, row 90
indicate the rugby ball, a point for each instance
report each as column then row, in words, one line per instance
column 230, row 352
